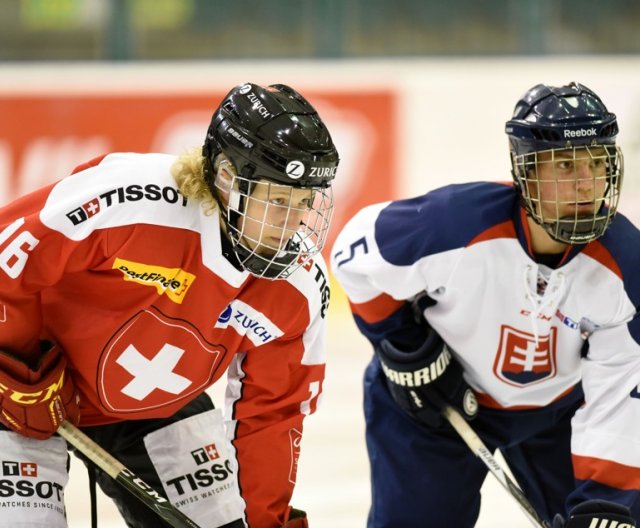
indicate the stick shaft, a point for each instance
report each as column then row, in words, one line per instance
column 482, row 452
column 116, row 470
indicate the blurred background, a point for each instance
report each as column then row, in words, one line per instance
column 415, row 92
column 100, row 30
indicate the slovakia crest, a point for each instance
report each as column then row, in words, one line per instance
column 521, row 360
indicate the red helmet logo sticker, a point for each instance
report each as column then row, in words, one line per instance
column 522, row 359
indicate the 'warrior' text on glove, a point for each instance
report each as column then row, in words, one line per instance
column 596, row 513
column 425, row 380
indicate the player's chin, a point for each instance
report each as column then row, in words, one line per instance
column 266, row 251
column 582, row 211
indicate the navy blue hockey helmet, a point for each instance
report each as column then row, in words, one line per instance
column 272, row 134
column 574, row 121
column 547, row 117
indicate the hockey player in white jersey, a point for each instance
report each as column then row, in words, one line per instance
column 515, row 303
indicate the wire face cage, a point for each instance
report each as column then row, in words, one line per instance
column 276, row 228
column 574, row 192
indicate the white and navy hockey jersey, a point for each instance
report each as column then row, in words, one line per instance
column 525, row 334
column 129, row 278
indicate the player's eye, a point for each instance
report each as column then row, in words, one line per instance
column 564, row 165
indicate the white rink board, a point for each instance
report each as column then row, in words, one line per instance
column 450, row 112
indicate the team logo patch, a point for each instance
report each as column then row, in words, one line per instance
column 153, row 361
column 521, row 361
column 175, row 282
column 248, row 321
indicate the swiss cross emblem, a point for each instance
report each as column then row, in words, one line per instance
column 28, row 469
column 92, row 207
column 154, row 361
column 212, row 451
column 522, row 360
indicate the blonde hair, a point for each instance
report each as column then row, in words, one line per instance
column 188, row 172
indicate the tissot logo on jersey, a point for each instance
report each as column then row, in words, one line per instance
column 130, row 193
column 206, row 476
column 295, row 438
column 248, row 321
column 23, row 481
column 175, row 282
column 205, row 454
column 19, row 469
column 321, row 281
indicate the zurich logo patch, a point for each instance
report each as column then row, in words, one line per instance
column 225, row 315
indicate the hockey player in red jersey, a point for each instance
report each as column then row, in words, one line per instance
column 129, row 287
column 516, row 304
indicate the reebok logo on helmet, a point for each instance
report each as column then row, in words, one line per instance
column 582, row 132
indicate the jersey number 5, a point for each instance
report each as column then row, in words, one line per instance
column 13, row 258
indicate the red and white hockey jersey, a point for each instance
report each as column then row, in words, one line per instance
column 128, row 277
column 517, row 327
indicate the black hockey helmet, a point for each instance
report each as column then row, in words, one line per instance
column 570, row 118
column 272, row 134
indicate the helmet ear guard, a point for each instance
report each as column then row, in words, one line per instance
column 567, row 125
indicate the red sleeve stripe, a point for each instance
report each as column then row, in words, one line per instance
column 606, row 472
column 503, row 230
column 376, row 309
column 91, row 163
column 598, row 252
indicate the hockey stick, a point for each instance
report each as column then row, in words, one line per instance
column 117, row 471
column 482, row 452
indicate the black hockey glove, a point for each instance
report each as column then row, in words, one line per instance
column 426, row 380
column 596, row 513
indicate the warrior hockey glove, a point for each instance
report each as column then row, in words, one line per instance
column 35, row 403
column 426, row 380
column 596, row 513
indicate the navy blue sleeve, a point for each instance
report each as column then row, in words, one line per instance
column 443, row 219
column 622, row 240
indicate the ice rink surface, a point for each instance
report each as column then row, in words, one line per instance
column 333, row 479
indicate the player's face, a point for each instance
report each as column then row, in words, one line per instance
column 569, row 183
column 274, row 213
